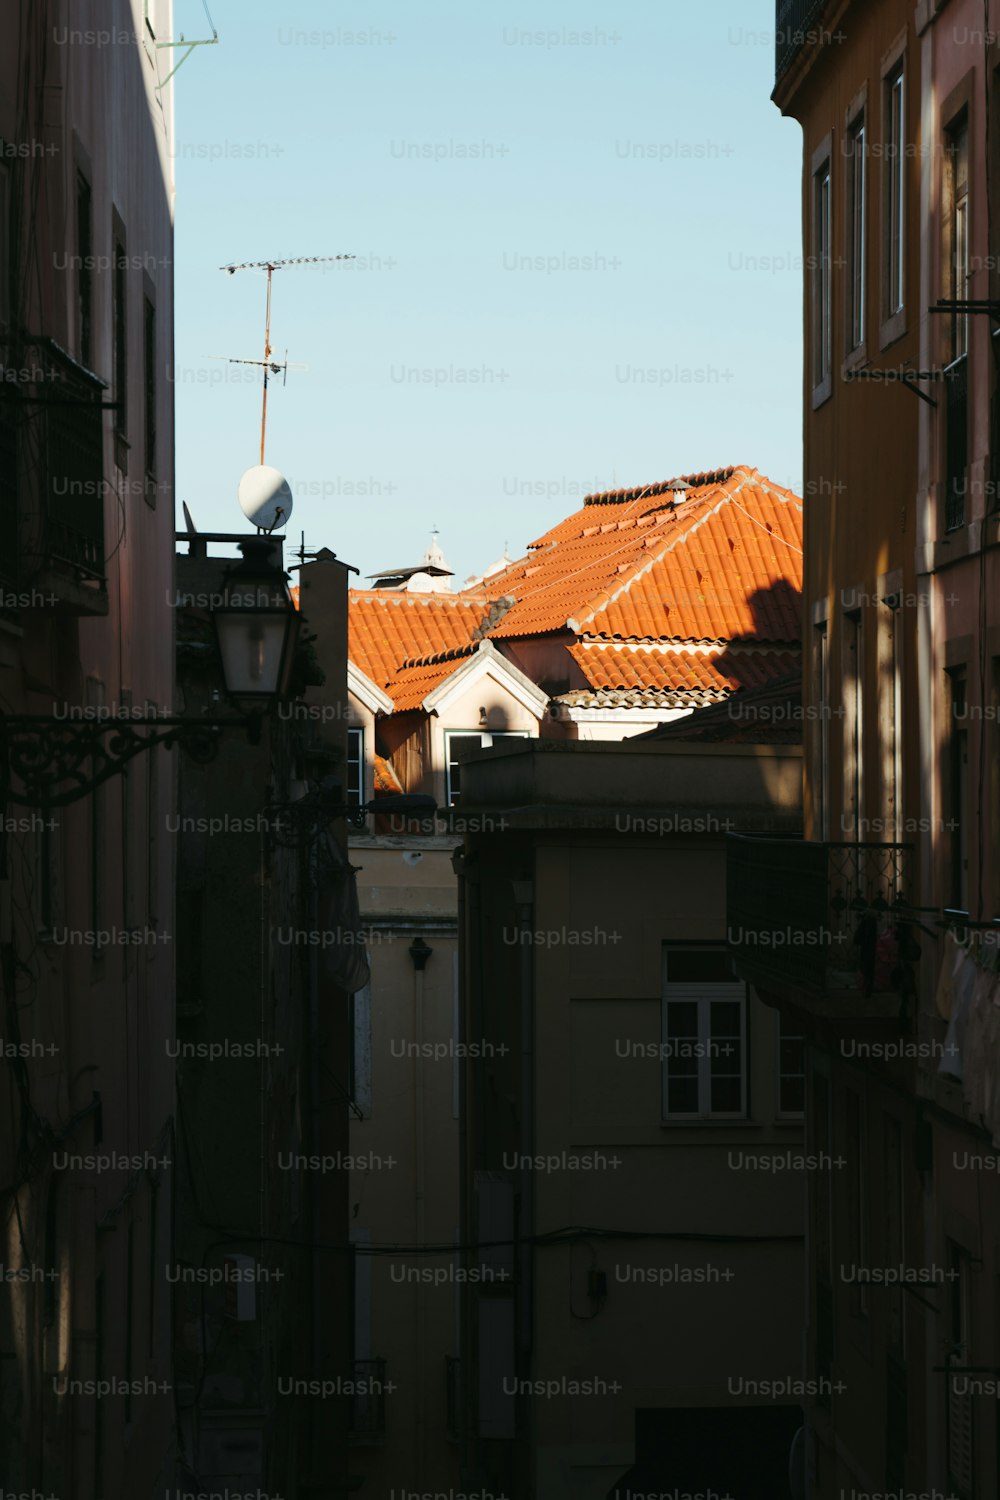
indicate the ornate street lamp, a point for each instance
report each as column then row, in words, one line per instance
column 257, row 625
column 48, row 762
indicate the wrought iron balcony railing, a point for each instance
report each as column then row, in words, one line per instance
column 52, row 484
column 825, row 925
column 367, row 1421
column 794, row 28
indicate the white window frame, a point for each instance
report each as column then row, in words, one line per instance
column 359, row 730
column 896, row 192
column 486, row 739
column 893, row 292
column 703, row 994
column 821, row 272
column 781, row 1036
column 958, row 208
column 856, row 202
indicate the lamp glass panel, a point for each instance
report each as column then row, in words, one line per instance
column 252, row 644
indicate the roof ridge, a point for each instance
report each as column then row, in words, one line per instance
column 698, row 479
column 765, row 484
column 437, row 657
column 403, row 596
column 737, row 645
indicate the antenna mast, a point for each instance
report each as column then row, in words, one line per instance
column 270, row 367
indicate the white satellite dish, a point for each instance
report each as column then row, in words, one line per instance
column 265, row 497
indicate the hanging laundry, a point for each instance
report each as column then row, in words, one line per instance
column 975, row 1044
column 960, row 996
column 954, row 953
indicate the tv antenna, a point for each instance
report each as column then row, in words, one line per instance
column 270, row 366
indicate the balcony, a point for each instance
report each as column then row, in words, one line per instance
column 813, row 924
column 367, row 1419
column 52, row 478
column 794, row 28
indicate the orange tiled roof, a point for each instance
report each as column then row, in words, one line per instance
column 711, row 558
column 767, row 715
column 719, row 561
column 418, row 678
column 621, row 668
column 390, row 629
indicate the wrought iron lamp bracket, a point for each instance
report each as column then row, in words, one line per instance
column 47, row 762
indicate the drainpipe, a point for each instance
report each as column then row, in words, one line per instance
column 419, row 952
column 524, row 897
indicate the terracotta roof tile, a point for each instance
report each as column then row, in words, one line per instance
column 767, row 715
column 388, row 629
column 713, row 558
column 413, row 682
column 724, row 562
column 672, row 669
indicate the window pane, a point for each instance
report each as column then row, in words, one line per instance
column 726, row 1096
column 726, row 1018
column 355, row 757
column 682, row 1063
column 726, row 1056
column 896, row 181
column 792, row 1099
column 856, row 242
column 682, row 1019
column 458, row 745
column 821, row 275
column 791, row 1052
column 682, row 1096
column 699, row 966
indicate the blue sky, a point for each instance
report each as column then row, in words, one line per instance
column 578, row 232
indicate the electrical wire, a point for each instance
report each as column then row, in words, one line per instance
column 771, row 533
